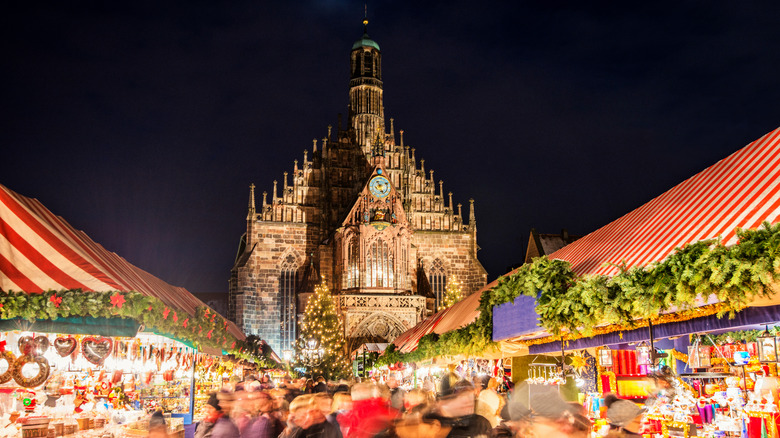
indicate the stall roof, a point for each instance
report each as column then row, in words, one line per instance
column 739, row 191
column 454, row 317
column 40, row 251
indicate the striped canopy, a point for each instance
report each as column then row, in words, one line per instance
column 739, row 191
column 454, row 317
column 40, row 251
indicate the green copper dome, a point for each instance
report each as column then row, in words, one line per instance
column 365, row 42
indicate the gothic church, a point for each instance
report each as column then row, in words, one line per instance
column 361, row 213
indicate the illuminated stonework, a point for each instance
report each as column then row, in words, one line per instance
column 360, row 210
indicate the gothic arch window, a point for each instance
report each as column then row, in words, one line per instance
column 437, row 277
column 353, row 263
column 288, row 278
column 379, row 265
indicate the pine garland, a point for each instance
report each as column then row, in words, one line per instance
column 735, row 275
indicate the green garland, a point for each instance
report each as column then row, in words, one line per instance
column 205, row 328
column 735, row 275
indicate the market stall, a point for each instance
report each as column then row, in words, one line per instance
column 90, row 343
column 643, row 292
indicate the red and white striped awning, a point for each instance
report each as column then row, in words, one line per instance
column 739, row 191
column 454, row 317
column 40, row 251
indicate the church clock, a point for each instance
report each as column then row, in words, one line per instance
column 379, row 186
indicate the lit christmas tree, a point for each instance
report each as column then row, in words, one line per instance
column 452, row 292
column 322, row 323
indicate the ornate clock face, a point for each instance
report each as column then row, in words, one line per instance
column 379, row 186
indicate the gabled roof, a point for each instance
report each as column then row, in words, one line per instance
column 739, row 191
column 40, row 251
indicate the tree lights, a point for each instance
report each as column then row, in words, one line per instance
column 320, row 343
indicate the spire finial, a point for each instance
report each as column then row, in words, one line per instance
column 251, row 212
column 365, row 18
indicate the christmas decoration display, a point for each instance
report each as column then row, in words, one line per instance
column 571, row 307
column 321, row 322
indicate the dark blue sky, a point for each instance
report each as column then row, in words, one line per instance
column 143, row 123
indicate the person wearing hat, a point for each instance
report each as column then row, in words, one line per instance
column 213, row 412
column 550, row 415
column 515, row 417
column 455, row 408
column 624, row 416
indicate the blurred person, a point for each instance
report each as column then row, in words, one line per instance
column 515, row 418
column 624, row 416
column 396, row 392
column 370, row 413
column 342, row 403
column 416, row 402
column 551, row 416
column 213, row 412
column 296, row 419
column 224, row 426
column 281, row 412
column 455, row 408
column 428, row 385
column 157, row 426
column 320, row 386
column 315, row 425
column 489, row 403
column 243, row 413
column 266, row 424
column 308, row 386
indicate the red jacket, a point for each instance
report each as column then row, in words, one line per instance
column 367, row 418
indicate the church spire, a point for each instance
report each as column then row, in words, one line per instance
column 366, row 108
column 251, row 214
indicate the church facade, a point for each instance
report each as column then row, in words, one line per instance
column 362, row 214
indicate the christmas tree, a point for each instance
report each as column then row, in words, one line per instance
column 452, row 292
column 322, row 323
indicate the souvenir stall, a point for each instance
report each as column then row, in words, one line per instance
column 91, row 344
column 212, row 370
column 699, row 259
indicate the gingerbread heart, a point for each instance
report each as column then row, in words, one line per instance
column 65, row 346
column 33, row 346
column 96, row 350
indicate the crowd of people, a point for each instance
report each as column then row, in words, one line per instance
column 457, row 408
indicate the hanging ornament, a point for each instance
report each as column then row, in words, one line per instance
column 96, row 349
column 9, row 359
column 65, row 345
column 35, row 346
column 37, row 379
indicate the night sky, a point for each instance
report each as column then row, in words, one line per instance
column 143, row 123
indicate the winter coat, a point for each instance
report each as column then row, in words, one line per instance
column 367, row 418
column 471, row 426
column 224, row 428
column 203, row 429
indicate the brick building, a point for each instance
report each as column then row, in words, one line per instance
column 361, row 212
